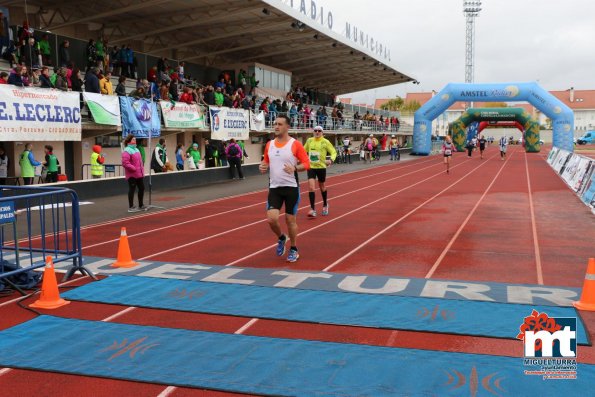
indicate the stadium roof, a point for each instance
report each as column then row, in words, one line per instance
column 228, row 33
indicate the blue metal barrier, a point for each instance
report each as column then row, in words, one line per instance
column 45, row 222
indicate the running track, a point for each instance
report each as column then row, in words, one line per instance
column 489, row 220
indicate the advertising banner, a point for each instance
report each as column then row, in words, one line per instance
column 139, row 117
column 227, row 123
column 104, row 108
column 257, row 121
column 37, row 114
column 182, row 115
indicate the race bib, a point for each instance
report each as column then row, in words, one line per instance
column 448, row 152
column 314, row 156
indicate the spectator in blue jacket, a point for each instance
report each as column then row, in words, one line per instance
column 92, row 81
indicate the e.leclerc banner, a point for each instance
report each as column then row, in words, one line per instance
column 227, row 123
column 182, row 115
column 139, row 117
column 37, row 114
column 104, row 108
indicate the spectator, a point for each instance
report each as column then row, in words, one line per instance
column 181, row 74
column 3, row 78
column 134, row 173
column 61, row 80
column 123, row 61
column 180, row 157
column 121, row 88
column 152, row 74
column 293, row 115
column 219, row 98
column 187, row 96
column 97, row 160
column 77, row 82
column 209, row 96
column 220, row 83
column 164, row 90
column 253, row 81
column 210, row 154
column 28, row 164
column 4, row 164
column 173, row 90
column 51, row 164
column 138, row 93
column 99, row 53
column 91, row 53
column 159, row 157
column 45, row 78
column 32, row 78
column 233, row 153
column 105, row 84
column 114, row 57
column 242, row 79
column 194, row 155
column 30, row 53
column 45, row 50
column 92, row 81
column 133, row 62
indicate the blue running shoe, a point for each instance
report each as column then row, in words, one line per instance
column 281, row 246
column 293, row 255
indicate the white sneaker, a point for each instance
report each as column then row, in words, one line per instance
column 133, row 209
column 312, row 214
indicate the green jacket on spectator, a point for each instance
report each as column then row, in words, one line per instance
column 44, row 47
column 219, row 99
column 99, row 48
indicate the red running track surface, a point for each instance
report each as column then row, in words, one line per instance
column 510, row 221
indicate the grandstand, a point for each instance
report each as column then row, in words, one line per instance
column 281, row 46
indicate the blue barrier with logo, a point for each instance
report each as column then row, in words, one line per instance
column 140, row 118
column 561, row 115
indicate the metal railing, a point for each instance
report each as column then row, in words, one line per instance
column 36, row 222
column 109, row 170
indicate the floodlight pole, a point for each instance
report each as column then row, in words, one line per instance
column 471, row 10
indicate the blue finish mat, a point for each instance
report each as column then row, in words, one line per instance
column 268, row 366
column 342, row 308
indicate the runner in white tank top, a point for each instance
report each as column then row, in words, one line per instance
column 284, row 157
column 447, row 150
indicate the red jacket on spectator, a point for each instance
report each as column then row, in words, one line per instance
column 3, row 81
column 152, row 75
column 187, row 98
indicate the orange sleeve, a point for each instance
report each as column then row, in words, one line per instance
column 300, row 153
column 266, row 152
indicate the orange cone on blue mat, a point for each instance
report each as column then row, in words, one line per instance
column 124, row 258
column 50, row 295
column 587, row 301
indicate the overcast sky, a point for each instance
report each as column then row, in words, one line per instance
column 552, row 41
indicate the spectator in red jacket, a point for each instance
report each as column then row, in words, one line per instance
column 187, row 96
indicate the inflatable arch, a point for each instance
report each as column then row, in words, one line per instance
column 528, row 124
column 560, row 114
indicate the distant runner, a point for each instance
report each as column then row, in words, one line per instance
column 503, row 144
column 447, row 149
column 284, row 157
column 482, row 145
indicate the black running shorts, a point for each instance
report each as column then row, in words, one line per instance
column 290, row 196
column 317, row 173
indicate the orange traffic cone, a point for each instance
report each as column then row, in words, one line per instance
column 50, row 295
column 587, row 301
column 124, row 257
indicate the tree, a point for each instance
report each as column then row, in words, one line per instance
column 393, row 104
column 410, row 106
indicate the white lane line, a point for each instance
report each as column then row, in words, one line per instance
column 262, row 220
column 132, row 235
column 538, row 266
column 344, row 215
column 341, row 259
column 458, row 232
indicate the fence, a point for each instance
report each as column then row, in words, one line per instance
column 35, row 222
column 109, row 170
